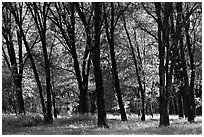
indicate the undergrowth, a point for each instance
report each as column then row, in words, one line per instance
column 11, row 121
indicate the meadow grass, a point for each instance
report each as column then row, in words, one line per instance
column 87, row 125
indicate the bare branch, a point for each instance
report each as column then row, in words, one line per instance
column 149, row 12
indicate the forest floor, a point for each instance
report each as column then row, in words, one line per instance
column 87, row 125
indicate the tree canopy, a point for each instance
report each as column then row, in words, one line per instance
column 62, row 58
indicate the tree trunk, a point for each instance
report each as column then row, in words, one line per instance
column 83, row 94
column 16, row 71
column 83, row 106
column 49, row 118
column 16, row 77
column 164, row 114
column 180, row 104
column 53, row 96
column 34, row 71
column 40, row 19
column 137, row 70
column 69, row 38
column 110, row 37
column 86, row 64
column 141, row 71
column 20, row 96
column 20, row 74
column 192, row 66
column 102, row 122
column 85, row 77
column 93, row 101
column 117, row 83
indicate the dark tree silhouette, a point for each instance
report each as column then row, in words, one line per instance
column 110, row 38
column 40, row 19
column 102, row 122
column 16, row 70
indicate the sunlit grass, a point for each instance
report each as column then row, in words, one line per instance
column 87, row 124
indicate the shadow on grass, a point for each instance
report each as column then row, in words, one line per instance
column 86, row 125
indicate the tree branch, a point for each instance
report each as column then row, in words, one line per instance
column 149, row 12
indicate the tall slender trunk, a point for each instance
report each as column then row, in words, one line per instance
column 192, row 79
column 20, row 73
column 85, row 64
column 137, row 70
column 53, row 95
column 110, row 37
column 102, row 122
column 49, row 118
column 34, row 71
column 117, row 83
column 141, row 71
column 163, row 108
column 17, row 19
column 16, row 76
column 40, row 19
column 85, row 77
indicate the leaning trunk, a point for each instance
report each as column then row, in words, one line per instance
column 32, row 62
column 35, row 73
column 110, row 37
column 137, row 70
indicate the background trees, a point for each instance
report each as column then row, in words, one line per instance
column 83, row 57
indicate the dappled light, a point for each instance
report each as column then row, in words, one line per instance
column 101, row 68
column 87, row 125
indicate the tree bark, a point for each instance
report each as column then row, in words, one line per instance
column 102, row 122
column 136, row 69
column 40, row 19
column 81, row 79
column 180, row 104
column 53, row 96
column 17, row 72
column 141, row 71
column 86, row 64
column 191, row 115
column 34, row 71
column 164, row 116
column 110, row 37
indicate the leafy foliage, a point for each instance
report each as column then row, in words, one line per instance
column 63, row 28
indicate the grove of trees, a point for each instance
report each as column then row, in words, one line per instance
column 102, row 57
